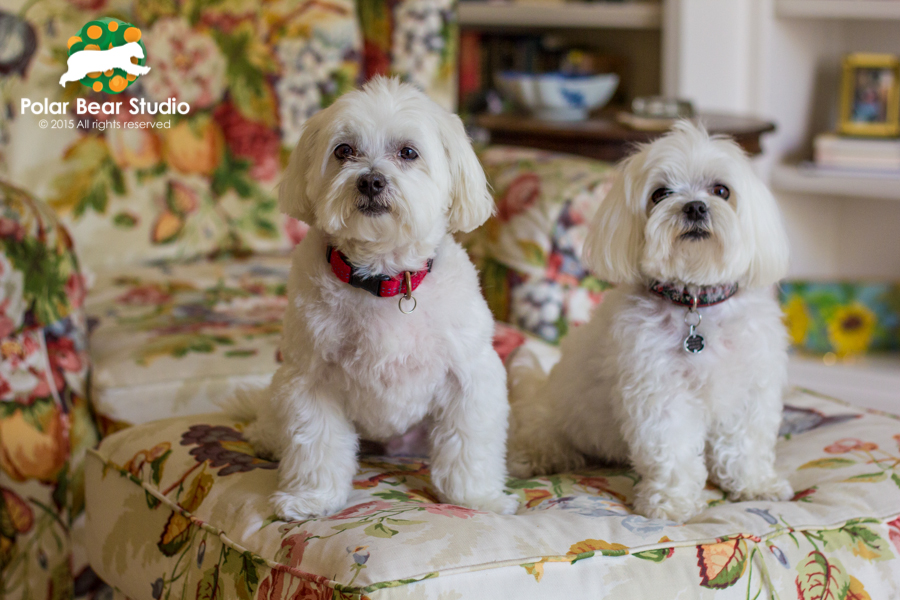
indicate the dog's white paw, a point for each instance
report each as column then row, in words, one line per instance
column 773, row 490
column 304, row 505
column 669, row 508
column 504, row 504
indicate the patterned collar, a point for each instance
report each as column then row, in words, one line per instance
column 703, row 297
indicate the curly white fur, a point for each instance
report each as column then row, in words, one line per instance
column 353, row 363
column 625, row 390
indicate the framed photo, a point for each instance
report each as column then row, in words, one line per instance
column 870, row 95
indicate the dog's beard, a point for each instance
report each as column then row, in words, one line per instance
column 708, row 252
column 399, row 227
column 696, row 233
column 375, row 206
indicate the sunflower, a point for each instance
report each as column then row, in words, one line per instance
column 796, row 319
column 851, row 328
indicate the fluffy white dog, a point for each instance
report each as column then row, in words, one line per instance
column 692, row 237
column 384, row 176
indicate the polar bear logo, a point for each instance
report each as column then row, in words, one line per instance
column 95, row 61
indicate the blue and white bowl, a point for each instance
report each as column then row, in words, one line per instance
column 559, row 97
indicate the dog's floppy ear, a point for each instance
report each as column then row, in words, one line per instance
column 612, row 250
column 760, row 215
column 294, row 190
column 471, row 200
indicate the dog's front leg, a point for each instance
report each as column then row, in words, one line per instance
column 468, row 441
column 318, row 453
column 665, row 435
column 742, row 447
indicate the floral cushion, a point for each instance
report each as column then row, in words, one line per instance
column 179, row 508
column 45, row 421
column 530, row 252
column 196, row 184
column 172, row 340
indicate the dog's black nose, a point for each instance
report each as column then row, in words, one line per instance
column 695, row 211
column 371, row 184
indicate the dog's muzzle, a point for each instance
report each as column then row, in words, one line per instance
column 372, row 202
column 696, row 213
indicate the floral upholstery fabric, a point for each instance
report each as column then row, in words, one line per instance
column 179, row 509
column 45, row 422
column 415, row 39
column 847, row 318
column 171, row 340
column 180, row 186
column 530, row 252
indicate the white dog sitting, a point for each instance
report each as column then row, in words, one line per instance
column 96, row 61
column 682, row 367
column 383, row 176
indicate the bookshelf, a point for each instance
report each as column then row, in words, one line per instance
column 808, row 180
column 626, row 37
column 838, row 9
column 595, row 15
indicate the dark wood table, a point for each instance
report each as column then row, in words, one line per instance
column 603, row 137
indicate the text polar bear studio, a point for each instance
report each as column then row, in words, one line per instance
column 93, row 61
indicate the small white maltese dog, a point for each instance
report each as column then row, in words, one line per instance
column 681, row 369
column 386, row 324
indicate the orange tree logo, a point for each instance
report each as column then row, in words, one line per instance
column 107, row 55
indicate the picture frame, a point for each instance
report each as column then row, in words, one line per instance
column 870, row 95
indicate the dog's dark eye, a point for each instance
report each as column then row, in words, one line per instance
column 344, row 151
column 407, row 153
column 721, row 191
column 660, row 194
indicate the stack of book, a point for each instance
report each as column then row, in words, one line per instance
column 832, row 151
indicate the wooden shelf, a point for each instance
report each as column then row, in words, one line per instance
column 806, row 180
column 838, row 9
column 602, row 137
column 596, row 15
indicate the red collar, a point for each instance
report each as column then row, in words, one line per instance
column 378, row 285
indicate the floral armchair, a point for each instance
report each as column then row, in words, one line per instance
column 45, row 420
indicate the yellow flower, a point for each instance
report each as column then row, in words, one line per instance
column 851, row 328
column 796, row 319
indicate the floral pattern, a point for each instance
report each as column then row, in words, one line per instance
column 182, row 186
column 45, row 421
column 846, row 318
column 200, row 498
column 415, row 39
column 529, row 254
